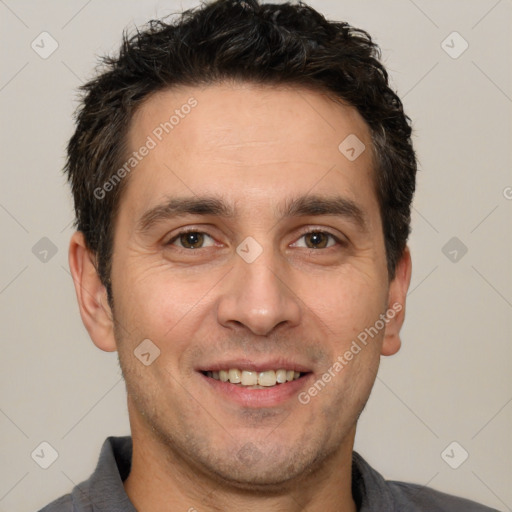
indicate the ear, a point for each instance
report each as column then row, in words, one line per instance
column 396, row 304
column 91, row 294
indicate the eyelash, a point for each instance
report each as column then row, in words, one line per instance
column 308, row 231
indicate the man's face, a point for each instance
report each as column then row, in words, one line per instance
column 293, row 296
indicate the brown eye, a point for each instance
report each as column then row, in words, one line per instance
column 316, row 240
column 191, row 240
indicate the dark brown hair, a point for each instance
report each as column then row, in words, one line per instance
column 244, row 40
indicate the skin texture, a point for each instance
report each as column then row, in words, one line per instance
column 256, row 148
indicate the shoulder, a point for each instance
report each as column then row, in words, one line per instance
column 78, row 499
column 63, row 504
column 105, row 486
column 413, row 497
column 373, row 492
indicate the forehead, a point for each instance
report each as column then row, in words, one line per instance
column 264, row 142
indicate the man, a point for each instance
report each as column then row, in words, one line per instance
column 242, row 181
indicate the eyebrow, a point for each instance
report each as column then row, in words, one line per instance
column 182, row 206
column 309, row 205
column 312, row 205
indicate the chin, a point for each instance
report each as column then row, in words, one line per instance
column 275, row 479
column 252, row 469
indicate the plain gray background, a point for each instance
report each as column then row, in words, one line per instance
column 451, row 381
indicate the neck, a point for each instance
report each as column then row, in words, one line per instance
column 162, row 480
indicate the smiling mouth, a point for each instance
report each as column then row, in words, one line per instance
column 255, row 380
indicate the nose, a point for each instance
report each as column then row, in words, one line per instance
column 258, row 296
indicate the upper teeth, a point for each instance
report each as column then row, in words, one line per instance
column 250, row 378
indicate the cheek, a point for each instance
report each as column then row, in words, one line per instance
column 153, row 302
column 346, row 302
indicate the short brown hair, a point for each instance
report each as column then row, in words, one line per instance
column 273, row 44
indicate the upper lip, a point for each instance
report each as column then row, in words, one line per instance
column 254, row 366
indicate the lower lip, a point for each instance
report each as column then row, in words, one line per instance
column 256, row 398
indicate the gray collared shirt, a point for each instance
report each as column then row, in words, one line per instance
column 104, row 491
